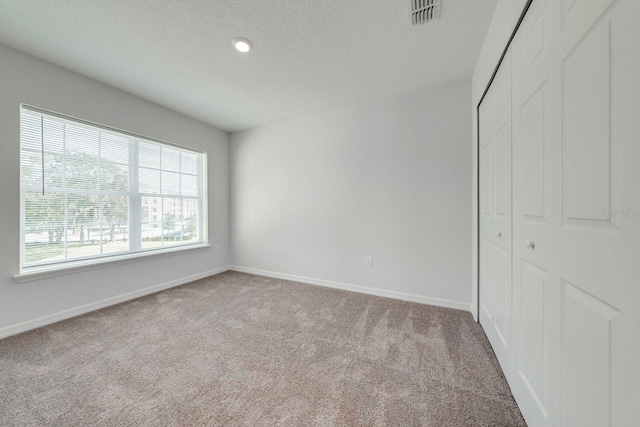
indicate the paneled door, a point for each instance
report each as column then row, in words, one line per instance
column 597, row 212
column 531, row 353
column 495, row 213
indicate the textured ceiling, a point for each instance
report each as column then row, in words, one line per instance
column 309, row 55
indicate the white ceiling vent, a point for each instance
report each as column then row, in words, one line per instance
column 423, row 11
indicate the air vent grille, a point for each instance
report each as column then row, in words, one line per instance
column 423, row 11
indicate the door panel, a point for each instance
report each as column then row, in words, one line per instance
column 586, row 123
column 532, row 341
column 576, row 17
column 586, row 325
column 598, row 211
column 495, row 208
column 486, row 211
column 486, row 161
column 486, row 306
column 532, row 139
column 501, row 283
column 501, row 173
column 533, row 214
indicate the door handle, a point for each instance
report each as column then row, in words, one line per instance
column 498, row 234
column 531, row 245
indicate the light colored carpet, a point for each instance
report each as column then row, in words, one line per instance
column 242, row 350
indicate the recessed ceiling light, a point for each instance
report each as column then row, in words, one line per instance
column 242, row 45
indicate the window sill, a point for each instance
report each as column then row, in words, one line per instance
column 37, row 273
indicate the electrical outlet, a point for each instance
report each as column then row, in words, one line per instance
column 368, row 261
column 216, row 248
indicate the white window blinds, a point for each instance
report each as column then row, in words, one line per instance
column 89, row 192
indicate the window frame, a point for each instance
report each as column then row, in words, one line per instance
column 135, row 211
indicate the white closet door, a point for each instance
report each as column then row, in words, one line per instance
column 597, row 211
column 531, row 354
column 495, row 219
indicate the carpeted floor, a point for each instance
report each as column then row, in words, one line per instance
column 242, row 350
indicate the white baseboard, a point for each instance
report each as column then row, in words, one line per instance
column 440, row 302
column 83, row 309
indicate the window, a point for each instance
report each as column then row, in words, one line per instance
column 84, row 191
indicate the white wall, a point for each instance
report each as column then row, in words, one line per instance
column 313, row 196
column 504, row 21
column 25, row 79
